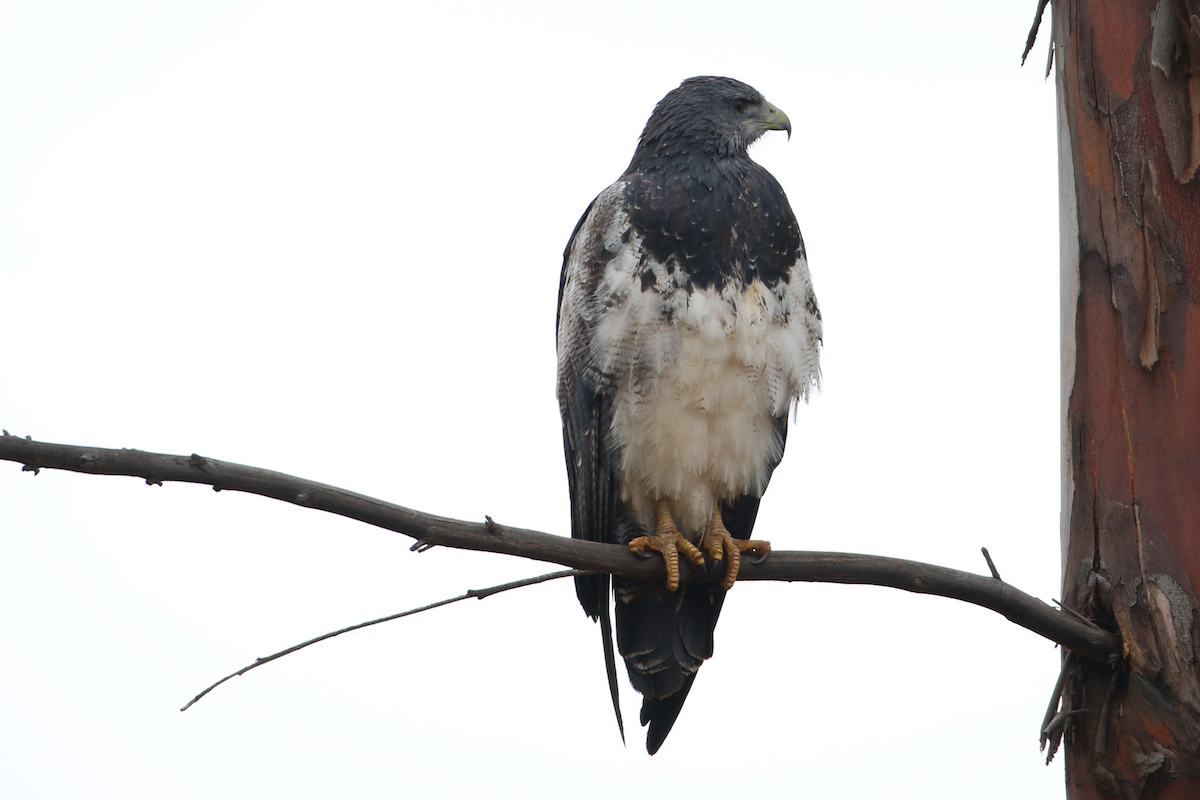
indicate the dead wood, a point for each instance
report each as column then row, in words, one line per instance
column 1070, row 630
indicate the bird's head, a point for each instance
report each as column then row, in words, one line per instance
column 720, row 117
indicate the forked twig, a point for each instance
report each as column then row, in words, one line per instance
column 1049, row 726
column 478, row 593
column 491, row 537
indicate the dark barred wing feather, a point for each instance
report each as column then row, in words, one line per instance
column 587, row 416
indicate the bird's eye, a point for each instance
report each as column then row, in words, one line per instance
column 739, row 106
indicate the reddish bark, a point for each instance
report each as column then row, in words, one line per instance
column 1129, row 152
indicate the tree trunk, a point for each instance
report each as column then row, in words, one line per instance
column 1128, row 81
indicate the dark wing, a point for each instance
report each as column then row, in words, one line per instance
column 585, row 401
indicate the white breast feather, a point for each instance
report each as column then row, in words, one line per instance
column 699, row 377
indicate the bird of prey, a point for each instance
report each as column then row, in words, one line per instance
column 687, row 329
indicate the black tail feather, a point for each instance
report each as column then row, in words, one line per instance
column 610, row 659
column 664, row 638
column 660, row 714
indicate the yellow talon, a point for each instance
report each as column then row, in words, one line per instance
column 720, row 544
column 668, row 541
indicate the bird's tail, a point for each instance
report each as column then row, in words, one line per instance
column 660, row 714
column 664, row 637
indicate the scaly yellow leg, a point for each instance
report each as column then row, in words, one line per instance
column 719, row 544
column 668, row 541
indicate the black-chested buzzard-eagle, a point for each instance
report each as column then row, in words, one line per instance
column 687, row 329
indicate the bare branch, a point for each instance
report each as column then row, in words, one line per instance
column 991, row 565
column 477, row 593
column 1052, row 709
column 1052, row 730
column 1033, row 31
column 1070, row 631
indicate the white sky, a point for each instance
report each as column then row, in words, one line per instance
column 325, row 239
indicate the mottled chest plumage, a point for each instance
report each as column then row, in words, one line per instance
column 701, row 357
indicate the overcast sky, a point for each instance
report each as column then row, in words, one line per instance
column 325, row 239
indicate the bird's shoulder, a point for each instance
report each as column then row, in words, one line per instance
column 593, row 240
column 601, row 234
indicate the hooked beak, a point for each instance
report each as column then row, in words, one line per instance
column 775, row 120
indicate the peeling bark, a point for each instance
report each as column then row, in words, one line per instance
column 1128, row 85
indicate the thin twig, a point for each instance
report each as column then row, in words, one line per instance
column 1033, row 32
column 477, row 593
column 429, row 530
column 1055, row 696
column 1054, row 731
column 991, row 566
column 1071, row 611
column 1061, row 719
